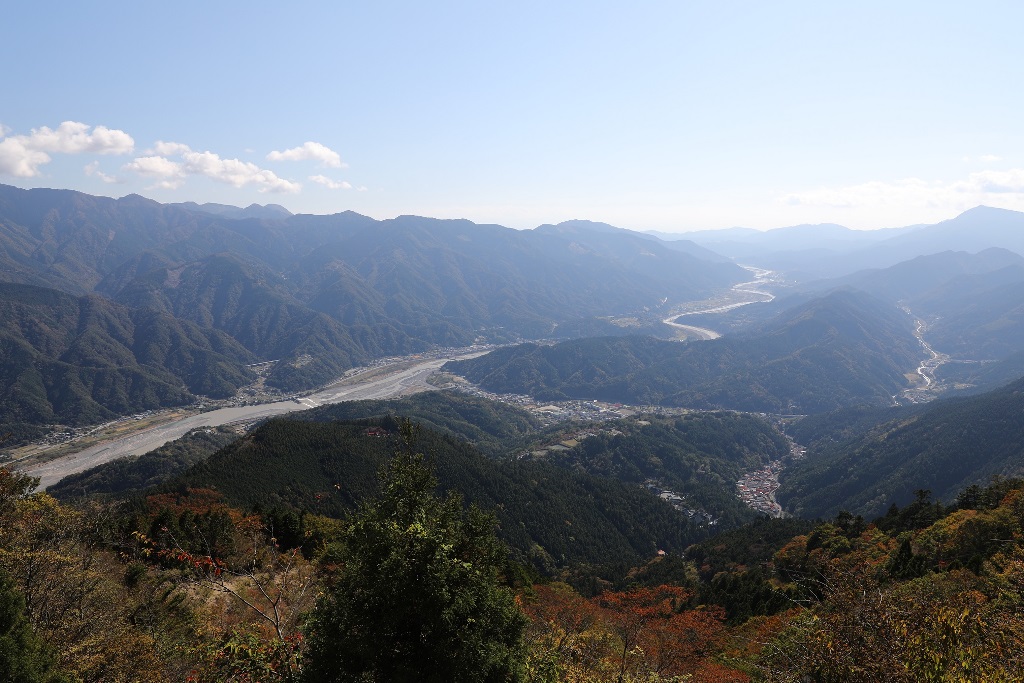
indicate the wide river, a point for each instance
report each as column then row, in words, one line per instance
column 410, row 379
column 740, row 295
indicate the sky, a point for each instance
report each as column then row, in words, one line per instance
column 671, row 116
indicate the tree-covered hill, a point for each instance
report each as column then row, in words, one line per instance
column 495, row 429
column 322, row 293
column 865, row 466
column 548, row 514
column 134, row 474
column 842, row 349
column 76, row 360
column 699, row 456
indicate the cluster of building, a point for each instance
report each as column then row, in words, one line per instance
column 757, row 489
column 551, row 412
column 679, row 502
column 570, row 441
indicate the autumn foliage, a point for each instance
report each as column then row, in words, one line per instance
column 185, row 587
column 643, row 634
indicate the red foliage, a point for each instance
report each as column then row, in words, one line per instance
column 658, row 635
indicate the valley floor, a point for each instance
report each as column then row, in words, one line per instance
column 401, row 377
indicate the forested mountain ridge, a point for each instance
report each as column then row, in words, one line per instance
column 321, row 293
column 971, row 307
column 920, row 276
column 943, row 447
column 76, row 360
column 842, row 349
column 555, row 496
column 698, row 456
column 550, row 515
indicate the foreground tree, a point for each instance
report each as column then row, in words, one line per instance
column 417, row 596
column 23, row 657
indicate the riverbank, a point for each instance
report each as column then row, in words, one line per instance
column 741, row 294
column 400, row 379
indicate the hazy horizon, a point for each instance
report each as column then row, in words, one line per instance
column 664, row 116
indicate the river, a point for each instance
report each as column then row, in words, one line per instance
column 741, row 294
column 409, row 379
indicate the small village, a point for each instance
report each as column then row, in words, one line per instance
column 553, row 412
column 757, row 489
column 677, row 501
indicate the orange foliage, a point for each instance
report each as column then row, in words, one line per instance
column 657, row 636
column 196, row 501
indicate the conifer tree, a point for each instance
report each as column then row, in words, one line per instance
column 23, row 657
column 417, row 597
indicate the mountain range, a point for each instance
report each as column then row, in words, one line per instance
column 810, row 252
column 321, row 294
column 842, row 349
column 76, row 360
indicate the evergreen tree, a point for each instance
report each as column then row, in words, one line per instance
column 23, row 658
column 417, row 597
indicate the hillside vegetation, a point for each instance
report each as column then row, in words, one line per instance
column 840, row 350
column 323, row 293
column 76, row 360
column 863, row 466
column 184, row 585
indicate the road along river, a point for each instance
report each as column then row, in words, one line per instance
column 410, row 379
column 740, row 295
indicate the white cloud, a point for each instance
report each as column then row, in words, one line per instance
column 22, row 155
column 72, row 137
column 236, row 172
column 309, row 151
column 993, row 188
column 169, row 149
column 167, row 185
column 156, row 167
column 18, row 160
column 333, row 184
column 172, row 174
column 93, row 169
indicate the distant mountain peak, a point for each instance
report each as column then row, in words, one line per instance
column 268, row 208
column 269, row 211
column 983, row 211
column 579, row 226
column 137, row 200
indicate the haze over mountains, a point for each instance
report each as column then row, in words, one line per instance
column 320, row 294
column 828, row 250
column 633, row 408
column 115, row 306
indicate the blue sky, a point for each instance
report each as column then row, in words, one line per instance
column 654, row 115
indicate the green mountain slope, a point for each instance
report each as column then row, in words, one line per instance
column 548, row 514
column 944, row 447
column 842, row 349
column 76, row 360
